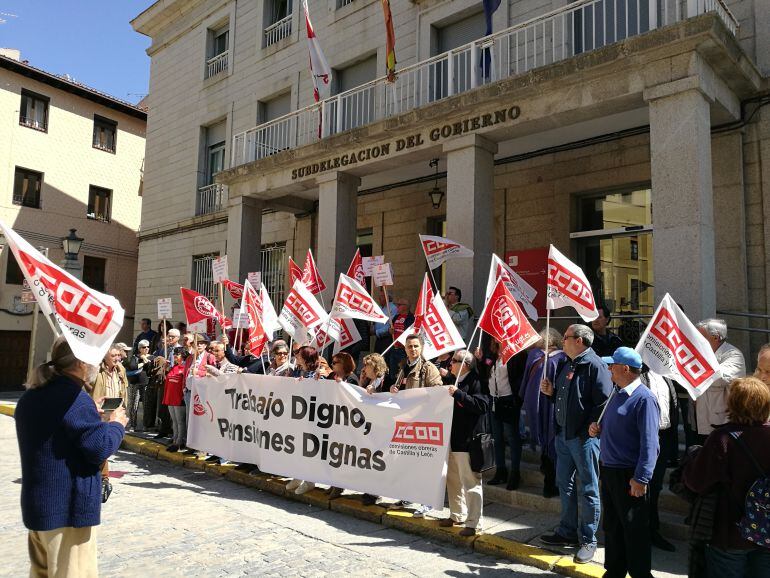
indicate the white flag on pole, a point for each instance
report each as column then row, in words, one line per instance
column 569, row 287
column 439, row 333
column 352, row 301
column 439, row 249
column 89, row 320
column 301, row 312
column 671, row 346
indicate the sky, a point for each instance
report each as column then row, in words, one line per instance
column 91, row 40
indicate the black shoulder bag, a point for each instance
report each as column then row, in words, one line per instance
column 482, row 447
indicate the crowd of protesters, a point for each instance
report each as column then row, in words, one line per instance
column 605, row 426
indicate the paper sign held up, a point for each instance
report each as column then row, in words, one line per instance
column 27, row 297
column 164, row 308
column 369, row 263
column 383, row 275
column 219, row 269
column 255, row 278
column 240, row 319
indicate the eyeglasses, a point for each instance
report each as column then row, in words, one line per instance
column 457, row 361
column 276, row 353
column 570, row 337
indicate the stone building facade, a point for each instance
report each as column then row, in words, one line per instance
column 635, row 139
column 71, row 159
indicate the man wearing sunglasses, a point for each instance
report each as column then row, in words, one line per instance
column 581, row 389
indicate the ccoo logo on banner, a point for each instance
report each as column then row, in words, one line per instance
column 393, row 446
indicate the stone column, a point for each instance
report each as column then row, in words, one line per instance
column 337, row 223
column 244, row 237
column 470, row 214
column 682, row 196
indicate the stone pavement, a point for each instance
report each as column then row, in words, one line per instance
column 171, row 521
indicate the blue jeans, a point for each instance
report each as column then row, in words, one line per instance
column 737, row 563
column 505, row 431
column 577, row 475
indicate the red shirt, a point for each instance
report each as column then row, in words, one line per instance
column 174, row 385
column 400, row 324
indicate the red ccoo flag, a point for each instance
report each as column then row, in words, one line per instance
column 295, row 273
column 503, row 319
column 257, row 336
column 310, row 275
column 356, row 269
column 235, row 289
column 439, row 249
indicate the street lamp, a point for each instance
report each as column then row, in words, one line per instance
column 436, row 195
column 71, row 244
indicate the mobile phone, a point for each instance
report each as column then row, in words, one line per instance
column 111, row 403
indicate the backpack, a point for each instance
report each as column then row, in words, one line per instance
column 754, row 526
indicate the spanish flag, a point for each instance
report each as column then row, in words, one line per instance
column 390, row 42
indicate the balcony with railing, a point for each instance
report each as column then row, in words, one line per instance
column 211, row 199
column 278, row 30
column 217, row 64
column 553, row 37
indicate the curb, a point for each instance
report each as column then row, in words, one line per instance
column 484, row 543
column 402, row 520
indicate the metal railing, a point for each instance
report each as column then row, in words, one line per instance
column 278, row 31
column 33, row 123
column 203, row 276
column 341, row 3
column 552, row 37
column 217, row 64
column 274, row 271
column 211, row 199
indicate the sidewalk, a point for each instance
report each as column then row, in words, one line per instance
column 513, row 521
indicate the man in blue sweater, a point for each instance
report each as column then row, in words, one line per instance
column 629, row 450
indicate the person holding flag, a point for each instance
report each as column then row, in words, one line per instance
column 462, row 313
column 580, row 391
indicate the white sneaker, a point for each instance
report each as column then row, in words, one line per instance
column 304, row 487
column 293, row 485
column 422, row 511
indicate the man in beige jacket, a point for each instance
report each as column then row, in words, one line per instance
column 415, row 370
column 711, row 406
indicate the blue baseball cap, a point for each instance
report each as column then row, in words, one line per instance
column 624, row 356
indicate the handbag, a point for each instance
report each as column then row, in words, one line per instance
column 481, row 448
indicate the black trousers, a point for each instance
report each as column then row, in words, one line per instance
column 626, row 526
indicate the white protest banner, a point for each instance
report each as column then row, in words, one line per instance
column 219, row 269
column 394, row 446
column 164, row 308
column 671, row 346
column 439, row 249
column 369, row 263
column 383, row 275
column 255, row 278
column 89, row 320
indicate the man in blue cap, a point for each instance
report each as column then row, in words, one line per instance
column 628, row 452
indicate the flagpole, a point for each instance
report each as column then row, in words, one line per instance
column 436, row 288
column 545, row 345
column 222, row 305
column 262, row 359
column 606, row 405
column 165, row 345
column 478, row 324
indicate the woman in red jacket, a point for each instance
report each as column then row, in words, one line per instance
column 173, row 397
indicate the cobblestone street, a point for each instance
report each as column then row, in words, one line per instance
column 167, row 521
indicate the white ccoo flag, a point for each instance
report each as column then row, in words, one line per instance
column 89, row 320
column 353, row 302
column 301, row 312
column 671, row 346
column 522, row 291
column 439, row 249
column 569, row 287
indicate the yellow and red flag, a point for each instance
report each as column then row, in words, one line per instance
column 390, row 42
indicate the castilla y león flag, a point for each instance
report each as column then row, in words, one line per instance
column 503, row 319
column 433, row 322
column 569, row 287
column 301, row 312
column 352, row 301
column 89, row 320
column 198, row 307
column 438, row 249
column 671, row 346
